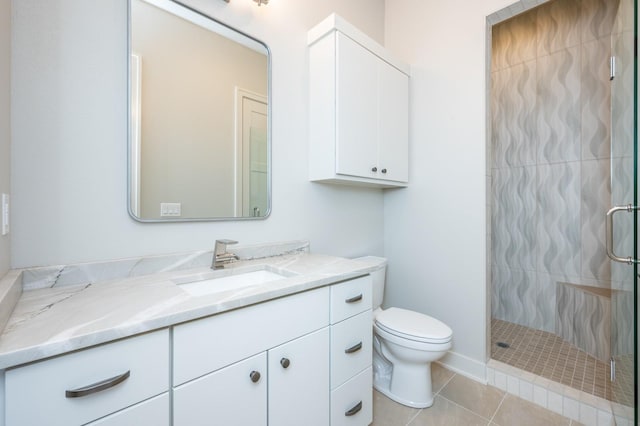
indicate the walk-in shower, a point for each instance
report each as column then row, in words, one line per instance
column 561, row 155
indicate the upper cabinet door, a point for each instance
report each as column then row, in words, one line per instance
column 393, row 123
column 356, row 109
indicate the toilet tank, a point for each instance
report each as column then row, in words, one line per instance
column 378, row 276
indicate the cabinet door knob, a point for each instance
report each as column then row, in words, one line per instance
column 384, row 170
column 284, row 362
column 354, row 410
column 374, row 169
column 255, row 376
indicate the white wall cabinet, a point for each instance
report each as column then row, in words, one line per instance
column 359, row 109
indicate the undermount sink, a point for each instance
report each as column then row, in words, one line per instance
column 228, row 280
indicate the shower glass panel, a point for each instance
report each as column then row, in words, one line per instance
column 624, row 277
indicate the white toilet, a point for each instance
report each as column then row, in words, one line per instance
column 404, row 345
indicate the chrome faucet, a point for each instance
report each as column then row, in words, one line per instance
column 220, row 255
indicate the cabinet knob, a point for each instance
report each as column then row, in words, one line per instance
column 255, row 376
column 374, row 169
column 384, row 170
column 284, row 362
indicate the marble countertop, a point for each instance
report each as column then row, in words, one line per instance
column 51, row 321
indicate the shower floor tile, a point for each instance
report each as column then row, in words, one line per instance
column 547, row 355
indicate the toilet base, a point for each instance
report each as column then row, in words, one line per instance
column 382, row 386
column 382, row 373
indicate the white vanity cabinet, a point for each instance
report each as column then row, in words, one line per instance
column 359, row 109
column 90, row 384
column 264, row 364
column 351, row 353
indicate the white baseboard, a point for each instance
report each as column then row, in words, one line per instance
column 469, row 367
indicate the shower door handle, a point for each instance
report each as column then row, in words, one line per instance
column 609, row 231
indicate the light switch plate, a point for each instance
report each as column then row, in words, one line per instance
column 5, row 214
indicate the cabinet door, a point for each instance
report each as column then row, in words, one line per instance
column 356, row 109
column 299, row 381
column 230, row 396
column 393, row 125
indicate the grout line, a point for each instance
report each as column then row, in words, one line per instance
column 499, row 405
column 416, row 415
column 466, row 409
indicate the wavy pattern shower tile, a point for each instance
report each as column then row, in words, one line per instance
column 514, row 300
column 513, row 130
column 596, row 99
column 513, row 41
column 592, row 326
column 558, row 236
column 622, row 194
column 621, row 102
column 545, row 318
column 621, row 322
column 597, row 18
column 513, row 220
column 565, row 306
column 624, row 17
column 558, row 26
column 596, row 196
column 558, row 106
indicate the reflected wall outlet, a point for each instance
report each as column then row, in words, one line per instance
column 170, row 209
column 5, row 214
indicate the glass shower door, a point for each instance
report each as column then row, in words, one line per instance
column 622, row 230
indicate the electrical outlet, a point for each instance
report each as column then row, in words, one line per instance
column 170, row 209
column 5, row 214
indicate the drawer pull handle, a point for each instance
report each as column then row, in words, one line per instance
column 255, row 376
column 354, row 299
column 284, row 362
column 354, row 348
column 354, row 410
column 97, row 387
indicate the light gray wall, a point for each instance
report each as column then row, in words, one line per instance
column 5, row 121
column 435, row 230
column 70, row 129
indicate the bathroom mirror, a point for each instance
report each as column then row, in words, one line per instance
column 199, row 117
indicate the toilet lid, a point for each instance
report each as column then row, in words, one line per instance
column 413, row 325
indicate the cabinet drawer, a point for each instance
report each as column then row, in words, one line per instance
column 206, row 345
column 352, row 403
column 152, row 412
column 351, row 347
column 350, row 298
column 36, row 394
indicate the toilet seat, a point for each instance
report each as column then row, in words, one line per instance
column 413, row 326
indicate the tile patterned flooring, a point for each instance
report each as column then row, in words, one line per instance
column 462, row 401
column 547, row 355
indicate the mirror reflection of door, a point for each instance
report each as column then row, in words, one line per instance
column 251, row 154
